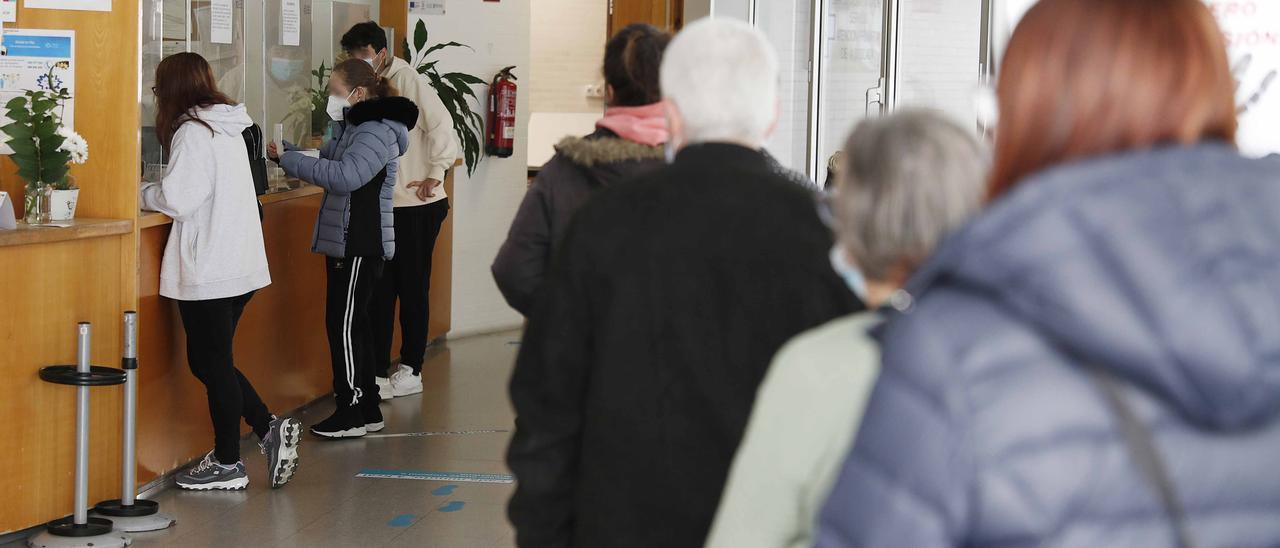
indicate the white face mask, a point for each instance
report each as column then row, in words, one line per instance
column 851, row 275
column 373, row 62
column 336, row 106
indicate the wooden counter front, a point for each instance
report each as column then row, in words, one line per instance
column 46, row 288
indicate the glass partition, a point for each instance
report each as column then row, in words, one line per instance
column 271, row 79
column 345, row 16
column 288, row 75
column 851, row 55
column 788, row 25
column 939, row 46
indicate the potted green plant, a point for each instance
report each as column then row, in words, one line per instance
column 43, row 148
column 454, row 89
column 319, row 96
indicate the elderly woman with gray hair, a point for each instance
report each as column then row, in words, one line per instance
column 910, row 179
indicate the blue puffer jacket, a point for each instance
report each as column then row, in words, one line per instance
column 985, row 429
column 364, row 150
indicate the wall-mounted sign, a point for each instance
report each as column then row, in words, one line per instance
column 8, row 11
column 1252, row 30
column 426, row 7
column 38, row 59
column 77, row 5
column 290, row 22
column 221, row 19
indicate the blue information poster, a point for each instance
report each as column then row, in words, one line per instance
column 38, row 59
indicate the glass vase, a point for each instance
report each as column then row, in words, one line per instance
column 37, row 203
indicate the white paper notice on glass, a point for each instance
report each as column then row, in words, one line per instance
column 7, row 221
column 77, row 5
column 426, row 7
column 38, row 59
column 1251, row 30
column 8, row 11
column 221, row 18
column 290, row 22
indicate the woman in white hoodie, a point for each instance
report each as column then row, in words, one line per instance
column 215, row 260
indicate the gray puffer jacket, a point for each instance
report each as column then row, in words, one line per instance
column 357, row 170
column 986, row 426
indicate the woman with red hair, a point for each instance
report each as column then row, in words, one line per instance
column 1095, row 361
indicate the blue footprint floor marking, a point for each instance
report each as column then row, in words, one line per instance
column 444, row 491
column 404, row 520
column 453, row 506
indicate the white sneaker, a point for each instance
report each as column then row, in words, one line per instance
column 405, row 383
column 384, row 388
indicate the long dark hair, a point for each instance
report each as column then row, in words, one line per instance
column 356, row 73
column 631, row 62
column 184, row 83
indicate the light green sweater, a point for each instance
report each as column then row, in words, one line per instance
column 806, row 414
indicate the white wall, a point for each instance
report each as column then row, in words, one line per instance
column 484, row 204
column 566, row 46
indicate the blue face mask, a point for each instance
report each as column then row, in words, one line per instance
column 851, row 275
column 285, row 70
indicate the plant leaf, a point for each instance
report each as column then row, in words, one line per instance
column 444, row 45
column 18, row 131
column 467, row 78
column 420, row 36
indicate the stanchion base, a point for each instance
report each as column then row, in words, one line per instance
column 142, row 524
column 116, row 509
column 66, row 527
column 108, row 540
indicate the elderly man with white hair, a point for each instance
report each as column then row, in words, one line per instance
column 669, row 297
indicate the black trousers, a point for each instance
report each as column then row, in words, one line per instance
column 408, row 278
column 347, row 298
column 211, row 327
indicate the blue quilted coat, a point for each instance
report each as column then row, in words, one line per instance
column 1160, row 267
column 357, row 169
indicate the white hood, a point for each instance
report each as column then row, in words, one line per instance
column 226, row 119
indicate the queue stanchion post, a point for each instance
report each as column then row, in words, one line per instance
column 80, row 530
column 128, row 513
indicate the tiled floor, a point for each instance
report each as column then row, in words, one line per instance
column 327, row 506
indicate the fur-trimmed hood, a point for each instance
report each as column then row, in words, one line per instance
column 395, row 109
column 605, row 157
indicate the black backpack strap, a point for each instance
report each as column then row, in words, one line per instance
column 1142, row 449
column 257, row 160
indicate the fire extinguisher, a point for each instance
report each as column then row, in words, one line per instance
column 501, row 137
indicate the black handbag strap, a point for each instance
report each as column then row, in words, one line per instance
column 1142, row 449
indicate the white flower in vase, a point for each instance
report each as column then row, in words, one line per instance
column 74, row 145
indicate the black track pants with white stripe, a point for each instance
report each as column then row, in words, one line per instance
column 350, row 289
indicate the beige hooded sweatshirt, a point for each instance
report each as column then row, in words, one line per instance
column 433, row 146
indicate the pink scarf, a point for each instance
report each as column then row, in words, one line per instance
column 646, row 124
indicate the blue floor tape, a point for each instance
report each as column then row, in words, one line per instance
column 437, row 476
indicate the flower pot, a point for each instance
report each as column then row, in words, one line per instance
column 62, row 204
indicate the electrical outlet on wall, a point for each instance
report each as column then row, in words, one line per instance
column 595, row 91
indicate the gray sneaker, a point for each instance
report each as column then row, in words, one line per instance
column 210, row 474
column 281, row 448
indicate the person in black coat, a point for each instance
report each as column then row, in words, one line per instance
column 627, row 142
column 669, row 297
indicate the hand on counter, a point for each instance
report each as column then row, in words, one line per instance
column 272, row 153
column 426, row 189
